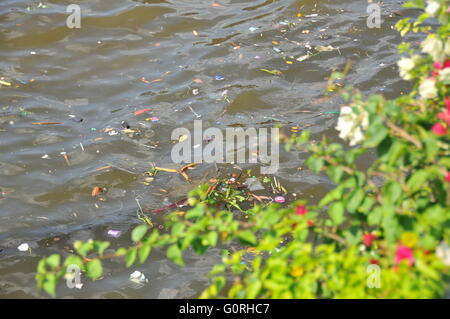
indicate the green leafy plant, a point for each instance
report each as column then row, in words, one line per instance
column 390, row 213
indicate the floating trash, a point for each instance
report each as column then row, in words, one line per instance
column 138, row 277
column 113, row 132
column 114, row 233
column 23, row 247
column 125, row 125
column 219, row 78
column 139, row 112
column 5, row 83
column 279, row 199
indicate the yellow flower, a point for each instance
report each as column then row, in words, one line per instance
column 297, row 272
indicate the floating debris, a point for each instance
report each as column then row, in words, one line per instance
column 5, row 83
column 139, row 112
column 273, row 72
column 125, row 125
column 219, row 78
column 97, row 191
column 328, row 48
column 138, row 277
column 66, row 158
column 279, row 199
column 114, row 233
column 23, row 247
column 46, row 123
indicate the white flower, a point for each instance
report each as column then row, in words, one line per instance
column 443, row 252
column 434, row 47
column 432, row 7
column 405, row 65
column 444, row 75
column 351, row 125
column 427, row 89
column 447, row 47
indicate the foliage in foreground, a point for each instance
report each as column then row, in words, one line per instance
column 392, row 217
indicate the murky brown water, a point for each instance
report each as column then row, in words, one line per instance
column 106, row 70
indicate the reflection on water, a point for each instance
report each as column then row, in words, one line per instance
column 153, row 54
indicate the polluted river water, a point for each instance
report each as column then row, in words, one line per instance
column 95, row 107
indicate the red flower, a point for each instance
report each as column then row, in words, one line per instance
column 404, row 253
column 439, row 129
column 310, row 223
column 301, row 210
column 447, row 103
column 447, row 177
column 374, row 261
column 368, row 239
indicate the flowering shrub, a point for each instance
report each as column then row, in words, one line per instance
column 382, row 232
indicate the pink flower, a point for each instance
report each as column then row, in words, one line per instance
column 444, row 116
column 447, row 177
column 447, row 103
column 439, row 66
column 404, row 253
column 301, row 210
column 439, row 129
column 368, row 239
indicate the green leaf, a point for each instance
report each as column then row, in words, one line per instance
column 248, row 237
column 195, row 212
column 138, row 233
column 174, row 254
column 94, row 269
column 376, row 133
column 336, row 212
column 392, row 191
column 356, row 197
column 315, row 164
column 212, row 238
column 53, row 260
column 74, row 260
column 178, row 229
column 121, row 251
column 253, row 288
column 144, row 251
column 417, row 180
column 101, row 246
column 131, row 257
column 49, row 285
